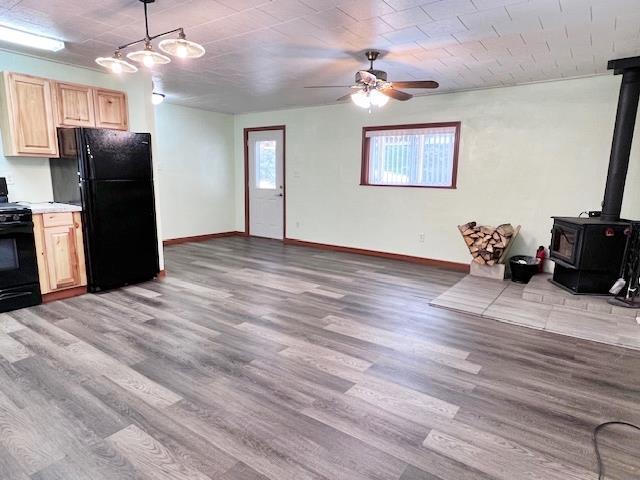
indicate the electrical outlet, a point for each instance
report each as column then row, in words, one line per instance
column 421, row 237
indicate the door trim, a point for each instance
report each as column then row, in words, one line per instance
column 284, row 175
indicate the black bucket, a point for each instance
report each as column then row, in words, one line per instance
column 523, row 268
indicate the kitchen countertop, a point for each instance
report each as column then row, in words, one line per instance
column 51, row 207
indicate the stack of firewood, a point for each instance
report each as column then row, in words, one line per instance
column 487, row 244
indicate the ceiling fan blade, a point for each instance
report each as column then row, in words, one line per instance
column 397, row 94
column 416, row 84
column 330, row 86
column 366, row 78
column 344, row 97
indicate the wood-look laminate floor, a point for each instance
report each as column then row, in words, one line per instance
column 254, row 361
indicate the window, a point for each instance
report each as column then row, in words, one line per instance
column 266, row 164
column 411, row 155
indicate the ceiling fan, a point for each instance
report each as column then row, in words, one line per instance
column 373, row 88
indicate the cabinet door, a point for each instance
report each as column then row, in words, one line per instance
column 62, row 256
column 31, row 118
column 43, row 270
column 74, row 105
column 111, row 109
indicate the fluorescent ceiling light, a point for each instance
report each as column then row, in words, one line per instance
column 29, row 39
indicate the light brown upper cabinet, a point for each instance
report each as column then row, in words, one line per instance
column 74, row 105
column 111, row 109
column 31, row 108
column 28, row 125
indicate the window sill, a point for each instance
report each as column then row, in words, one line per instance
column 448, row 187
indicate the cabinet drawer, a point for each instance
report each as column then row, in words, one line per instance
column 57, row 219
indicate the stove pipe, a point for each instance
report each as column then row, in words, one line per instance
column 622, row 135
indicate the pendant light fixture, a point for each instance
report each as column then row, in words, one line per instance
column 157, row 98
column 178, row 47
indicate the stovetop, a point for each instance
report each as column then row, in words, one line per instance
column 13, row 208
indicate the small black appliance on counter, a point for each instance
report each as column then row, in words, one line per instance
column 109, row 173
column 19, row 283
column 589, row 251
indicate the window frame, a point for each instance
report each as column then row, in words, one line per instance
column 364, row 172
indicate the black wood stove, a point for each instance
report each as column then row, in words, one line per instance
column 588, row 251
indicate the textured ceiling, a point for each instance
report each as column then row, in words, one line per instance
column 260, row 53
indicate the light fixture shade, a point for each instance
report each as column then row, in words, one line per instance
column 157, row 98
column 181, row 48
column 148, row 57
column 377, row 98
column 361, row 99
column 116, row 64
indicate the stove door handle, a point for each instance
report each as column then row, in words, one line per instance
column 11, row 295
column 17, row 227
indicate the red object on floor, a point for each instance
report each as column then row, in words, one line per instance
column 541, row 255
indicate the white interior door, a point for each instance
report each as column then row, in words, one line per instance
column 266, row 183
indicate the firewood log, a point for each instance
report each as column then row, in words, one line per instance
column 466, row 226
column 506, row 230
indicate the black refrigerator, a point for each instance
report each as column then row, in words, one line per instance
column 109, row 173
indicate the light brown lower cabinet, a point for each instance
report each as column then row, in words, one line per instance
column 60, row 250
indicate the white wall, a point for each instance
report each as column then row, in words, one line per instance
column 31, row 176
column 527, row 153
column 196, row 172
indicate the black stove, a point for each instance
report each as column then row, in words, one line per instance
column 19, row 283
column 589, row 251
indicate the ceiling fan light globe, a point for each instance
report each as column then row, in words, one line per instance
column 361, row 99
column 378, row 99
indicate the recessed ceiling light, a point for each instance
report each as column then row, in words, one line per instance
column 29, row 39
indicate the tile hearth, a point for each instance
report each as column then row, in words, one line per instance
column 543, row 306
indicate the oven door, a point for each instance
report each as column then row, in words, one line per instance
column 18, row 263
